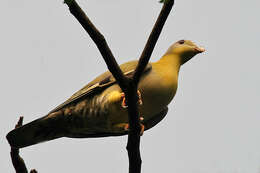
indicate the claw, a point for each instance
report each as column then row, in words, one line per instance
column 139, row 97
column 124, row 105
column 142, row 130
column 126, row 128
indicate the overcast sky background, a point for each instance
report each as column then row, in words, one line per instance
column 213, row 124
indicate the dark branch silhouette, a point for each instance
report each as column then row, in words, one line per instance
column 99, row 40
column 17, row 160
column 133, row 143
column 128, row 85
column 152, row 40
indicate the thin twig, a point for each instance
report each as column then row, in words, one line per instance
column 152, row 40
column 17, row 160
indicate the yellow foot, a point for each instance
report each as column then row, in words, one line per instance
column 124, row 105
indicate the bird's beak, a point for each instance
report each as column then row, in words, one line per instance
column 199, row 49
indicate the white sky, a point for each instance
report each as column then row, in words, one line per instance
column 213, row 124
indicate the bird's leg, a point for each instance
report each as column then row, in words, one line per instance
column 126, row 126
column 124, row 105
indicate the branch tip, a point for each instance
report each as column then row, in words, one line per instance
column 33, row 171
column 20, row 122
column 68, row 2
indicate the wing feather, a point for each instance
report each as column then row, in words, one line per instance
column 100, row 83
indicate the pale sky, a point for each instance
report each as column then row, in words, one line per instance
column 213, row 124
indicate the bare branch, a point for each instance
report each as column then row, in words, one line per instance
column 150, row 44
column 17, row 160
column 133, row 144
column 128, row 85
column 99, row 40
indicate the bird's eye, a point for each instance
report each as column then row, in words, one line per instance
column 181, row 41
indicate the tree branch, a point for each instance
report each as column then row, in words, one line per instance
column 17, row 160
column 99, row 40
column 128, row 85
column 152, row 40
column 133, row 144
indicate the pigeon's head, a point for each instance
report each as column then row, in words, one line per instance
column 185, row 49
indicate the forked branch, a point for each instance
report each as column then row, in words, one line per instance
column 128, row 85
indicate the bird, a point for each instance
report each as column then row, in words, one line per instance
column 99, row 108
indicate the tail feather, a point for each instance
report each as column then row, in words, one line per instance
column 43, row 129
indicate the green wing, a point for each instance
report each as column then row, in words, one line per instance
column 148, row 124
column 100, row 83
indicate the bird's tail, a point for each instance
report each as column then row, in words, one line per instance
column 43, row 129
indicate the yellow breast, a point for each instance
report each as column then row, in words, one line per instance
column 157, row 88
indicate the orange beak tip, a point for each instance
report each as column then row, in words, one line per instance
column 200, row 49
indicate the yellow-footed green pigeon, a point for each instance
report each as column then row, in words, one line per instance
column 98, row 109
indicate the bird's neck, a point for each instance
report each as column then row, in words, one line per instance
column 171, row 62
